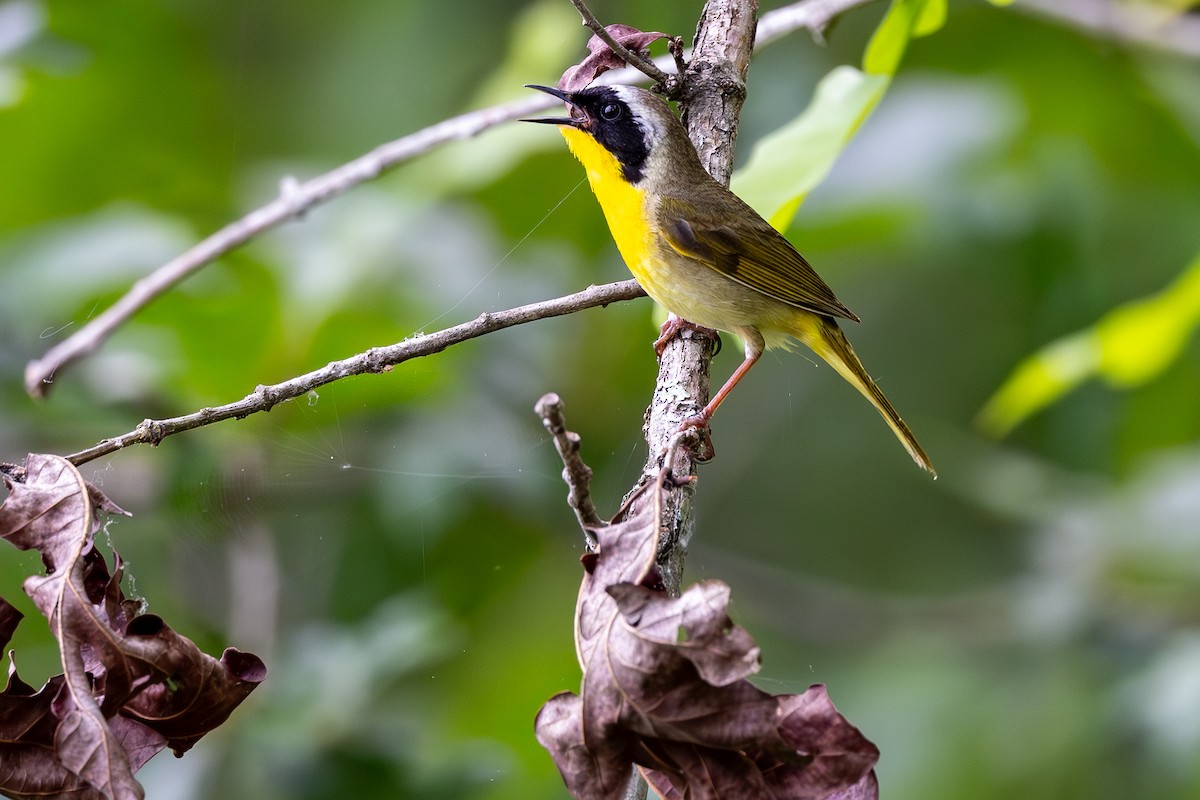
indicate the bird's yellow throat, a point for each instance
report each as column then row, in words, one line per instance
column 622, row 202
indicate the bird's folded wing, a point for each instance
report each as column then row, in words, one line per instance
column 752, row 253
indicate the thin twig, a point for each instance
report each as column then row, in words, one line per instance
column 377, row 359
column 296, row 198
column 676, row 48
column 645, row 65
column 576, row 474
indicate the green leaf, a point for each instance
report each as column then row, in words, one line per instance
column 786, row 165
column 930, row 18
column 904, row 20
column 789, row 163
column 887, row 44
column 1127, row 347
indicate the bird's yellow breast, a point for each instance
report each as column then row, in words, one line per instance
column 679, row 284
column 624, row 205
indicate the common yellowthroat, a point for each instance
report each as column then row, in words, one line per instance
column 697, row 248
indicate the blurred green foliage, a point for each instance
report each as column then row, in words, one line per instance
column 1130, row 345
column 789, row 163
column 398, row 548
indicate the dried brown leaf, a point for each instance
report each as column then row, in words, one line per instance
column 602, row 58
column 203, row 690
column 665, row 687
column 130, row 685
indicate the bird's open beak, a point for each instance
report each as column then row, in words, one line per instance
column 573, row 121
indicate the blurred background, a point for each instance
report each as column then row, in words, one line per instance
column 398, row 547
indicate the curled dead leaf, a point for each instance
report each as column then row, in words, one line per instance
column 665, row 687
column 601, row 57
column 130, row 685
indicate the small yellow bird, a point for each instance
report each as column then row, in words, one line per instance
column 697, row 248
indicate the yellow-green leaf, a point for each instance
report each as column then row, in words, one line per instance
column 1141, row 339
column 890, row 39
column 1127, row 347
column 1038, row 381
column 904, row 20
column 788, row 163
column 930, row 18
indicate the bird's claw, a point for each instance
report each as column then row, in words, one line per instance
column 671, row 328
column 704, row 450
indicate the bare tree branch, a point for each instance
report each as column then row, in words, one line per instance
column 713, row 91
column 296, row 198
column 812, row 15
column 377, row 359
column 576, row 474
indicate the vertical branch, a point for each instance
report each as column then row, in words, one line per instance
column 715, row 84
column 714, row 88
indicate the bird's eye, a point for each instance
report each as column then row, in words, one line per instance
column 610, row 112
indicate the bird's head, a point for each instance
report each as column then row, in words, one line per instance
column 633, row 125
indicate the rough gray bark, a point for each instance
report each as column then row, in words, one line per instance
column 713, row 91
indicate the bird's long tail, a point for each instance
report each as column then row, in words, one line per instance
column 825, row 338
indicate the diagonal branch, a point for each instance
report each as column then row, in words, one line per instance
column 296, row 198
column 377, row 359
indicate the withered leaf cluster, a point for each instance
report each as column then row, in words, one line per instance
column 602, row 58
column 665, row 687
column 130, row 686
